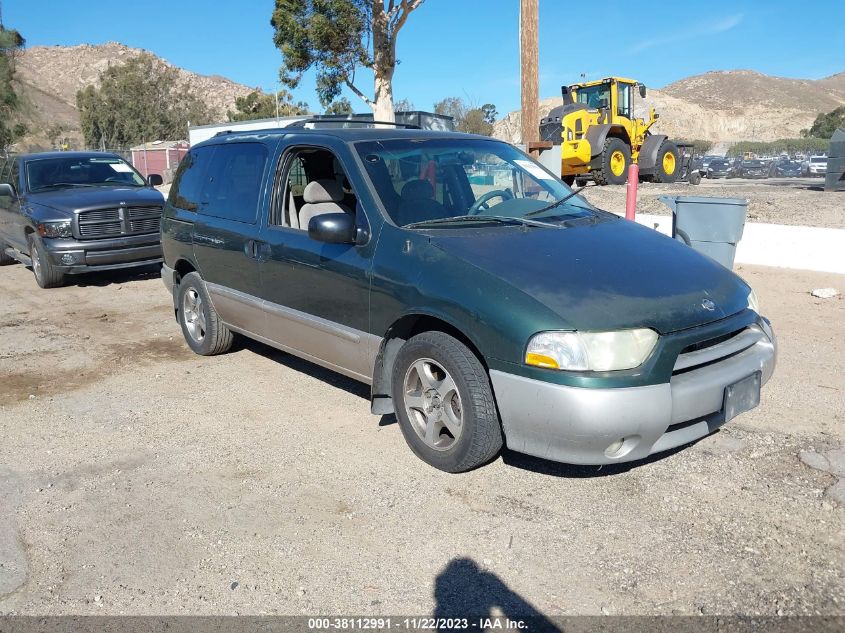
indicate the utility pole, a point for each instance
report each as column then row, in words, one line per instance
column 529, row 61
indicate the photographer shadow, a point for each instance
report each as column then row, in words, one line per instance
column 465, row 591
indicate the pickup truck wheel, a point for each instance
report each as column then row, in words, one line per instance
column 444, row 403
column 201, row 327
column 46, row 274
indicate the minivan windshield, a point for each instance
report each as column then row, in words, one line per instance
column 43, row 174
column 459, row 181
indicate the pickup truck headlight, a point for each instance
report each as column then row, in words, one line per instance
column 590, row 351
column 55, row 229
column 753, row 302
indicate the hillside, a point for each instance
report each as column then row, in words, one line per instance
column 48, row 78
column 726, row 106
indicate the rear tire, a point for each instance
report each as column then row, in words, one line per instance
column 444, row 403
column 46, row 274
column 615, row 159
column 6, row 260
column 667, row 167
column 568, row 180
column 203, row 330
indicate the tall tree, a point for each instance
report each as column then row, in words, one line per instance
column 258, row 105
column 340, row 106
column 10, row 43
column 139, row 100
column 490, row 113
column 338, row 37
column 404, row 105
column 467, row 119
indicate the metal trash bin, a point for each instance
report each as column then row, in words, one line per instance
column 712, row 226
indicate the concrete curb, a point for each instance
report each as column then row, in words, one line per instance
column 778, row 245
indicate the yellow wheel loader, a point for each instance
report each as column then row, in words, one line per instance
column 599, row 137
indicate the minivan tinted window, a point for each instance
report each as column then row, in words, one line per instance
column 233, row 180
column 189, row 179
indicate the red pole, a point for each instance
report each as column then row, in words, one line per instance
column 631, row 196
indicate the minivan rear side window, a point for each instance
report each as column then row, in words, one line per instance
column 231, row 189
column 188, row 183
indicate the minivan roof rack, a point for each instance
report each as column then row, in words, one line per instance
column 335, row 120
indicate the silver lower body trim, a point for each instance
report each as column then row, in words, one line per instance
column 168, row 276
column 582, row 426
column 332, row 345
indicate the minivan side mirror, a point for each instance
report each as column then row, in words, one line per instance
column 7, row 190
column 155, row 180
column 642, row 91
column 333, row 228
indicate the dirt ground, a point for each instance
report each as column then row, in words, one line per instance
column 138, row 478
column 796, row 201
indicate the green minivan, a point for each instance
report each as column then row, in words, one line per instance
column 483, row 301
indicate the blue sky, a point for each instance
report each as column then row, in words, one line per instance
column 469, row 48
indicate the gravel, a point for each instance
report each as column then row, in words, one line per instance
column 143, row 479
column 794, row 201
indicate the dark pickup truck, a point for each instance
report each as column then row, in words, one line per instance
column 74, row 212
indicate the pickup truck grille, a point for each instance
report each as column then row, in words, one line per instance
column 115, row 222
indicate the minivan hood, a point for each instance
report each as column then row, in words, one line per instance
column 78, row 198
column 610, row 275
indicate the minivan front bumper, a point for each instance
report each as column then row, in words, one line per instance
column 580, row 425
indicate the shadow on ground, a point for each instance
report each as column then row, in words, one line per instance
column 327, row 376
column 464, row 590
column 510, row 458
column 105, row 278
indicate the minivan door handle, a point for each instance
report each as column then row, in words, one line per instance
column 255, row 249
column 249, row 249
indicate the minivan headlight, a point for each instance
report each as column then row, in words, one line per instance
column 753, row 302
column 55, row 229
column 590, row 351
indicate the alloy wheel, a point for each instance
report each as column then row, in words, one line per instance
column 433, row 404
column 194, row 314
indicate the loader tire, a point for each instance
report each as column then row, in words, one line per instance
column 615, row 159
column 668, row 164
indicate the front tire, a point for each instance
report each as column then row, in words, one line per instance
column 444, row 403
column 615, row 159
column 46, row 274
column 203, row 330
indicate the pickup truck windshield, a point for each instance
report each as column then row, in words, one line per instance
column 425, row 182
column 43, row 174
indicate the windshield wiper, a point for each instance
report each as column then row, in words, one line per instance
column 53, row 185
column 556, row 203
column 501, row 219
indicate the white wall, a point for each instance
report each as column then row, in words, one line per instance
column 200, row 133
column 778, row 245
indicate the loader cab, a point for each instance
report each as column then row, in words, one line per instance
column 614, row 94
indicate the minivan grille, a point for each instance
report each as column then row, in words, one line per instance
column 717, row 349
column 114, row 222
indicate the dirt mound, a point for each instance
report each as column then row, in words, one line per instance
column 48, row 78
